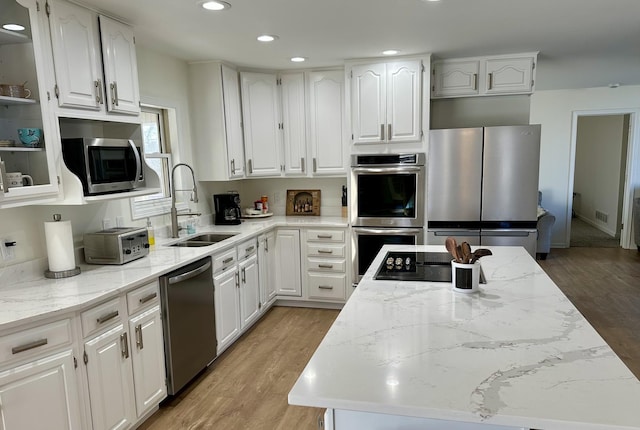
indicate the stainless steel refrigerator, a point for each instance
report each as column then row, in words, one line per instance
column 483, row 185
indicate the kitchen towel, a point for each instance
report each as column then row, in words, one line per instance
column 60, row 250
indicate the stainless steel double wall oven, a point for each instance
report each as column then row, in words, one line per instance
column 387, row 204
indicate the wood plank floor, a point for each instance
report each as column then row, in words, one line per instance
column 247, row 387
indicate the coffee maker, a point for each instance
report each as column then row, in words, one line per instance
column 227, row 208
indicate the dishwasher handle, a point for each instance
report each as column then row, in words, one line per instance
column 190, row 274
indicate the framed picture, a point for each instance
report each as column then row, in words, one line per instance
column 303, row 202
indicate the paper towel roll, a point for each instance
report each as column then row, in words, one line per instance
column 60, row 251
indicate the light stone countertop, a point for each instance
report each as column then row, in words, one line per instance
column 27, row 296
column 518, row 353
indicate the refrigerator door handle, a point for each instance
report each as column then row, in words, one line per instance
column 457, row 232
column 511, row 233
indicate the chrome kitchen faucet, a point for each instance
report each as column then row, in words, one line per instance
column 174, row 212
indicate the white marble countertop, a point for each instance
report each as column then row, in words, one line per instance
column 517, row 353
column 26, row 295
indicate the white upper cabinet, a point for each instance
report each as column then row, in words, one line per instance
column 386, row 102
column 216, row 120
column 22, row 59
column 120, row 66
column 484, row 76
column 326, row 122
column 292, row 91
column 261, row 113
column 81, row 81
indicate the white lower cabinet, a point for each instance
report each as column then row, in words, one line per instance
column 249, row 283
column 147, row 355
column 287, row 268
column 38, row 386
column 110, row 379
column 266, row 265
column 226, row 282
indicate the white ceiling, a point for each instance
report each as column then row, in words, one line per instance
column 582, row 43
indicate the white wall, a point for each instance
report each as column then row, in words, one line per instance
column 555, row 110
column 480, row 111
column 597, row 170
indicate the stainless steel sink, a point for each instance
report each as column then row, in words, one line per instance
column 203, row 240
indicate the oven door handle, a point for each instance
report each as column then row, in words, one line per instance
column 388, row 231
column 384, row 170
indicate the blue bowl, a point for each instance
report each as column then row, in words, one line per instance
column 31, row 137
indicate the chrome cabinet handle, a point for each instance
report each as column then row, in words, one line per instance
column 302, row 166
column 266, row 245
column 490, row 80
column 244, row 276
column 98, row 85
column 28, row 346
column 315, row 165
column 233, row 167
column 114, row 93
column 250, row 249
column 227, row 260
column 389, row 131
column 326, row 266
column 237, row 280
column 325, row 236
column 250, row 166
column 381, row 131
column 325, row 287
column 104, row 318
column 475, row 81
column 325, row 251
column 139, row 342
column 151, row 296
column 124, row 345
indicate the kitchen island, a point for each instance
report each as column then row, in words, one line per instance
column 516, row 355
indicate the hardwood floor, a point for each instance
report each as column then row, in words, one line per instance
column 604, row 284
column 247, row 387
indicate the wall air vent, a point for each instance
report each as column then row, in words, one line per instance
column 602, row 217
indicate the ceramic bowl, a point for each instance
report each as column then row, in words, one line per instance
column 31, row 137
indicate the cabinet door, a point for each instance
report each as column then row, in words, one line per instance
column 293, row 123
column 510, row 75
column 404, row 101
column 249, row 291
column 76, row 60
column 266, row 264
column 326, row 118
column 368, row 103
column 233, row 122
column 455, row 78
column 287, row 265
column 147, row 355
column 40, row 395
column 227, row 304
column 120, row 67
column 110, row 380
column 261, row 124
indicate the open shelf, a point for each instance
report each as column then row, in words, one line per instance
column 7, row 101
column 20, row 149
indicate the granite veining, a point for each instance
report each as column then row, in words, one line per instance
column 517, row 353
column 26, row 295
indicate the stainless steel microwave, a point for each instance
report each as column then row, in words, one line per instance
column 104, row 165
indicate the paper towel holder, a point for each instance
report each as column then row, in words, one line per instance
column 63, row 273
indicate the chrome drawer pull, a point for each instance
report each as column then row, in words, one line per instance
column 249, row 249
column 227, row 260
column 325, row 287
column 325, row 251
column 28, row 346
column 326, row 266
column 124, row 344
column 325, row 236
column 103, row 319
column 151, row 296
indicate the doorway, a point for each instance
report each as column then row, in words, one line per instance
column 599, row 179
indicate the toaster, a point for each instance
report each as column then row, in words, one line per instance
column 117, row 245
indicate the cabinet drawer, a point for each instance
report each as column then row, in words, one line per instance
column 325, row 250
column 326, row 265
column 101, row 316
column 247, row 249
column 326, row 235
column 27, row 343
column 327, row 286
column 143, row 297
column 224, row 260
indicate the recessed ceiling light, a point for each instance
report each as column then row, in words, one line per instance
column 267, row 38
column 13, row 27
column 390, row 52
column 298, row 59
column 215, row 5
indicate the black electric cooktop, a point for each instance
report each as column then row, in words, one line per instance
column 417, row 266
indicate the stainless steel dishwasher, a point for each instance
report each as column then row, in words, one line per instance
column 188, row 322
